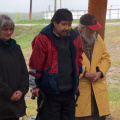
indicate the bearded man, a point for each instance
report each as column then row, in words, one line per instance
column 93, row 101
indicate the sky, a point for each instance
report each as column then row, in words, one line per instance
column 44, row 5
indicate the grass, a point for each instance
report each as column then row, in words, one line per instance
column 25, row 34
column 114, row 95
column 47, row 21
column 110, row 21
column 112, row 40
column 31, row 108
column 42, row 21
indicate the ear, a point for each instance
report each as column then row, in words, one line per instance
column 54, row 23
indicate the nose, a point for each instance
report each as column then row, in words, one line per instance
column 67, row 27
column 9, row 31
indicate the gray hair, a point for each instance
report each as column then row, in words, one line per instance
column 6, row 21
column 80, row 25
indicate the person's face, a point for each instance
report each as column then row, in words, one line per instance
column 6, row 32
column 88, row 32
column 89, row 35
column 63, row 28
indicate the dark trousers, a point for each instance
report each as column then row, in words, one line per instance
column 58, row 107
column 11, row 119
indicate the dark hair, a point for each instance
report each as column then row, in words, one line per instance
column 62, row 14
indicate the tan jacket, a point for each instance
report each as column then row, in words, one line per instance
column 101, row 59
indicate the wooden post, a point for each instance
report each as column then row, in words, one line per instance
column 98, row 9
column 30, row 14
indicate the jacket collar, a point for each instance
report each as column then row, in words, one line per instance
column 48, row 30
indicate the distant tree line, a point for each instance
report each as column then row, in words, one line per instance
column 25, row 16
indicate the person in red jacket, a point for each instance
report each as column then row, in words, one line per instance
column 55, row 65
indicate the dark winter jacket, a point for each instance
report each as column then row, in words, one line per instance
column 44, row 61
column 13, row 77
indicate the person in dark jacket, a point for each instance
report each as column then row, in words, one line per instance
column 14, row 78
column 55, row 65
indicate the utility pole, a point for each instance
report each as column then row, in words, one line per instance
column 60, row 4
column 30, row 14
column 55, row 6
column 49, row 7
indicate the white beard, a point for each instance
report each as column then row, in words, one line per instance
column 89, row 38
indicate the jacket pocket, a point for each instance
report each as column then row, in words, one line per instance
column 50, row 82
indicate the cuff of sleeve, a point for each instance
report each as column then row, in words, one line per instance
column 98, row 70
column 84, row 73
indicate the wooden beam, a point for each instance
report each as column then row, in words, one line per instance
column 98, row 9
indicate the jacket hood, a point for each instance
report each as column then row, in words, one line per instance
column 48, row 30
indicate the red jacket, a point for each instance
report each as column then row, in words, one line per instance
column 43, row 64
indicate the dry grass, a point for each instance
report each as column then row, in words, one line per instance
column 112, row 40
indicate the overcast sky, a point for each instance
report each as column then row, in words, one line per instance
column 43, row 5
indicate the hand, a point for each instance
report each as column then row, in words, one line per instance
column 35, row 92
column 16, row 96
column 89, row 76
column 97, row 76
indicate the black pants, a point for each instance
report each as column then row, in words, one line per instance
column 58, row 107
column 11, row 119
